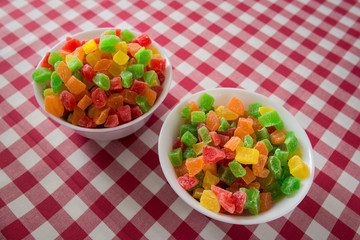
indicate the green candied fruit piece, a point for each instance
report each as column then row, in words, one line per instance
column 285, row 172
column 143, row 103
column 269, row 119
column 252, row 202
column 150, row 77
column 291, row 142
column 41, row 75
column 74, row 64
column 268, row 144
column 274, row 166
column 224, row 125
column 126, row 77
column 186, row 127
column 108, row 41
column 237, row 169
column 78, row 75
column 102, row 81
column 207, row 101
column 143, row 56
column 112, row 32
column 127, row 36
column 290, row 185
column 185, row 112
column 280, row 125
column 189, row 139
column 282, row 156
column 55, row 57
column 275, row 190
column 262, row 134
column 110, row 49
column 253, row 109
column 225, row 175
column 205, row 135
column 175, row 157
column 137, row 70
column 233, row 124
column 56, row 82
column 57, row 64
column 200, row 176
column 265, row 182
column 189, row 153
column 197, row 117
column 248, row 141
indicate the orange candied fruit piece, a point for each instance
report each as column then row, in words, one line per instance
column 211, row 167
column 77, row 114
column 115, row 100
column 84, row 102
column 150, row 95
column 249, row 176
column 232, row 143
column 261, row 147
column 236, row 106
column 246, row 124
column 277, row 137
column 265, row 201
column 64, row 72
column 193, row 106
column 259, row 166
column 212, row 121
column 75, row 86
column 129, row 96
column 63, row 53
column 194, row 165
column 254, row 185
column 181, row 170
column 264, row 173
column 54, row 106
column 133, row 48
column 79, row 53
column 101, row 115
column 103, row 65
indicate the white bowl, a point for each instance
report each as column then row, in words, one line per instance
column 170, row 130
column 121, row 130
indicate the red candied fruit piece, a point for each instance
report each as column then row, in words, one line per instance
column 88, row 72
column 136, row 112
column 223, row 139
column 224, row 162
column 218, row 190
column 157, row 89
column 271, row 129
column 112, row 121
column 138, row 86
column 215, row 138
column 97, row 40
column 240, row 198
column 71, row 44
column 161, row 77
column 230, row 132
column 226, row 201
column 187, row 182
column 118, row 32
column 212, row 154
column 115, row 83
column 179, row 144
column 86, row 122
column 124, row 113
column 45, row 62
column 99, row 98
column 228, row 153
column 68, row 100
column 239, row 183
column 143, row 40
column 158, row 64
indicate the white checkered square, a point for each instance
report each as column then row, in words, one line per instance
column 231, row 28
column 313, row 20
column 303, row 119
column 227, row 7
column 153, row 182
column 331, row 139
column 9, row 137
column 2, row 13
column 18, row 3
column 29, row 159
column 128, row 207
column 124, row 4
column 264, row 231
column 177, row 16
column 316, row 102
column 202, row 54
column 208, row 83
column 75, row 207
column 196, row 28
column 264, row 70
column 71, row 14
column 30, row 37
column 316, row 231
column 13, row 25
column 302, row 71
column 3, row 82
column 212, row 17
column 35, row 118
column 51, row 182
column 333, row 205
column 266, row 29
column 149, row 138
column 56, row 137
column 102, row 231
column 292, row 8
column 348, row 181
column 248, row 84
column 240, row 55
column 323, row 9
column 326, row 44
column 303, row 31
column 211, row 231
column 316, row 58
column 343, row 120
column 259, row 7
column 87, row 25
column 89, row 4
column 340, row 71
column 16, row 99
column 141, row 15
column 157, row 230
column 102, row 182
column 34, row 14
column 161, row 27
column 45, row 231
column 185, row 68
column 255, row 42
column 23, row 67
column 328, row 86
column 278, row 56
column 156, row 4
column 4, row 179
column 290, row 43
column 280, row 19
column 356, row 158
column 289, row 85
column 20, row 206
column 337, row 32
column 353, row 102
column 192, row 5
column 78, row 159
column 319, row 160
column 351, row 57
column 126, row 159
column 181, row 209
column 246, row 18
column 54, row 3
column 347, row 21
column 225, row 69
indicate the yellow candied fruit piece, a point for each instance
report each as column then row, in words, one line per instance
column 121, row 58
column 115, row 69
column 298, row 168
column 156, row 55
column 90, row 46
column 209, row 201
column 68, row 57
column 49, row 91
column 247, row 155
column 121, row 46
column 222, row 111
column 93, row 58
column 197, row 193
column 209, row 179
column 154, row 50
column 297, row 152
column 198, row 148
column 264, row 110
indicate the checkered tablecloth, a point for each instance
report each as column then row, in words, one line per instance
column 55, row 184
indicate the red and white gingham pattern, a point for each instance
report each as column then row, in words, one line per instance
column 55, row 184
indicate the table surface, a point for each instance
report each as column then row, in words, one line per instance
column 55, row 184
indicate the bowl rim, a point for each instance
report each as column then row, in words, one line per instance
column 232, row 219
column 122, row 126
